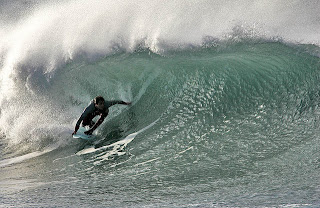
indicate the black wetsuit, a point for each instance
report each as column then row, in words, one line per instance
column 91, row 111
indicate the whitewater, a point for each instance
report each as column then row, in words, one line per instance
column 225, row 103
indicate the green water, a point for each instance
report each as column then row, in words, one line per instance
column 234, row 125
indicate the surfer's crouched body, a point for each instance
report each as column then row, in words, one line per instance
column 97, row 107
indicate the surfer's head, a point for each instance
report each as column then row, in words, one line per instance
column 99, row 102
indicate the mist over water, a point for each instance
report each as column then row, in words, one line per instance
column 225, row 103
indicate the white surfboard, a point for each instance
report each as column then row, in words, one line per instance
column 81, row 135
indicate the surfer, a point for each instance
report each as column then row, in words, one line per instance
column 98, row 106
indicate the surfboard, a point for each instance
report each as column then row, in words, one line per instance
column 82, row 136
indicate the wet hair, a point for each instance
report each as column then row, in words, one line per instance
column 98, row 99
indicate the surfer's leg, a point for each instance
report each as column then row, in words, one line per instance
column 91, row 124
column 87, row 122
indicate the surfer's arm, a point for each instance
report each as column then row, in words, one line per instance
column 98, row 123
column 115, row 102
column 85, row 113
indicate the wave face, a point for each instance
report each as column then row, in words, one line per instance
column 224, row 111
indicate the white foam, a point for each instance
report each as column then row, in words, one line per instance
column 116, row 148
column 22, row 158
column 62, row 31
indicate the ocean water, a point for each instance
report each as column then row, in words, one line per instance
column 225, row 103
